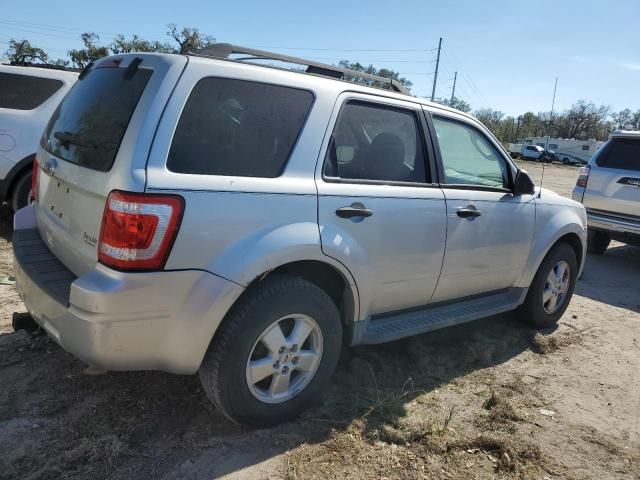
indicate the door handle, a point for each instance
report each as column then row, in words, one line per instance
column 354, row 211
column 469, row 212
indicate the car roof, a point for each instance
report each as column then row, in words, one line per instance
column 35, row 71
column 624, row 134
column 352, row 86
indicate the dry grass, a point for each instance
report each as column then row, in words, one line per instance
column 419, row 434
column 544, row 344
column 501, row 410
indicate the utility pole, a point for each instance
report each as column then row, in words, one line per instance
column 553, row 103
column 435, row 76
column 453, row 91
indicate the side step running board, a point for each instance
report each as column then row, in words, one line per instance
column 380, row 329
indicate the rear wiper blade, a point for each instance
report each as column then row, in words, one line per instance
column 66, row 139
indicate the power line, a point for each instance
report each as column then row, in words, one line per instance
column 45, row 26
column 57, row 29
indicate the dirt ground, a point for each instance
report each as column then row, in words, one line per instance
column 491, row 399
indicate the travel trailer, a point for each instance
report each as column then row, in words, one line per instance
column 567, row 150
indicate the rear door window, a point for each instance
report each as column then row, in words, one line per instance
column 238, row 128
column 24, row 92
column 376, row 142
column 88, row 126
column 622, row 153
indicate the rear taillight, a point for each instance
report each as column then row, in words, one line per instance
column 138, row 230
column 33, row 196
column 583, row 176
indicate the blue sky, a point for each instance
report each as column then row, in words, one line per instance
column 507, row 53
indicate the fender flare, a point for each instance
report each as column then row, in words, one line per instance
column 561, row 224
column 265, row 251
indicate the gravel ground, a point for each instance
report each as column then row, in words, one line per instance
column 491, row 399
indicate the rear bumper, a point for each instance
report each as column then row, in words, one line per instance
column 122, row 321
column 613, row 223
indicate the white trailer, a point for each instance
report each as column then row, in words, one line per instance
column 568, row 150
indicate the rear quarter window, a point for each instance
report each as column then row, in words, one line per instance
column 24, row 92
column 238, row 128
column 621, row 153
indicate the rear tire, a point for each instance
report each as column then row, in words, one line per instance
column 597, row 242
column 255, row 335
column 21, row 191
column 537, row 309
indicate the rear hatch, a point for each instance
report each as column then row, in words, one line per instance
column 97, row 141
column 614, row 180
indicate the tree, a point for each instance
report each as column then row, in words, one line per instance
column 21, row 51
column 120, row 44
column 490, row 118
column 626, row 119
column 584, row 120
column 91, row 51
column 371, row 70
column 189, row 39
column 457, row 103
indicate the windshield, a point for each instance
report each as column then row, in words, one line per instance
column 89, row 124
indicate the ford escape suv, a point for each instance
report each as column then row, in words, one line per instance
column 214, row 215
column 609, row 188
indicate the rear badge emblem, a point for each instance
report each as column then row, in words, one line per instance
column 89, row 239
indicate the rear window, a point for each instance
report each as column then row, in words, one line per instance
column 88, row 126
column 24, row 92
column 238, row 128
column 621, row 153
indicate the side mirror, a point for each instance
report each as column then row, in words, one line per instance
column 524, row 184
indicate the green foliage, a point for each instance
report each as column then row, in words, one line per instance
column 582, row 121
column 91, row 51
column 188, row 39
column 457, row 103
column 383, row 72
column 121, row 44
column 21, row 51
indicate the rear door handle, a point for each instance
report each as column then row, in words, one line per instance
column 353, row 211
column 469, row 212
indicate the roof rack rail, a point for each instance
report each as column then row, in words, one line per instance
column 50, row 66
column 227, row 50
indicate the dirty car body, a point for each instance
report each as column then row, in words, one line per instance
column 172, row 189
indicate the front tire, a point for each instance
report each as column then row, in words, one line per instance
column 597, row 242
column 552, row 288
column 274, row 353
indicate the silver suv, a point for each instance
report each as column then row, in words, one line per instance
column 211, row 215
column 609, row 187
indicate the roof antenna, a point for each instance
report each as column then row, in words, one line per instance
column 546, row 147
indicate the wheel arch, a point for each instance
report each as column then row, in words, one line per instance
column 22, row 167
column 336, row 282
column 563, row 227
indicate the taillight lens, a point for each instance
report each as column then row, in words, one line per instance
column 34, row 182
column 583, row 176
column 138, row 230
